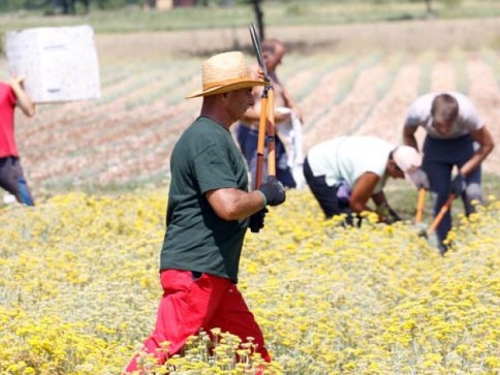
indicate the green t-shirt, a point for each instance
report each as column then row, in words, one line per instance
column 205, row 158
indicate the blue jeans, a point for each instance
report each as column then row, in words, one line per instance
column 247, row 139
column 440, row 156
column 12, row 179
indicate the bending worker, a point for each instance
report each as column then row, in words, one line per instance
column 456, row 136
column 345, row 173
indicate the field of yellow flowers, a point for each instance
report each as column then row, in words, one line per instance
column 79, row 290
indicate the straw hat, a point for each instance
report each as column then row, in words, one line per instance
column 223, row 73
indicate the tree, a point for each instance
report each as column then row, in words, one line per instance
column 430, row 12
column 259, row 15
column 449, row 3
column 68, row 6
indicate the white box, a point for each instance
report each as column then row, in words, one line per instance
column 58, row 63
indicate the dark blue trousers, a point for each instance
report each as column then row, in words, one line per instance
column 327, row 197
column 12, row 179
column 440, row 156
column 247, row 139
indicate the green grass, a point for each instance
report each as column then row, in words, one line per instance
column 311, row 12
column 461, row 74
column 427, row 61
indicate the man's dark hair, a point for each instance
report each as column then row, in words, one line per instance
column 269, row 45
column 444, row 108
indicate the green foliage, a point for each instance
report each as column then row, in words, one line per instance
column 452, row 3
column 427, row 61
column 296, row 9
column 275, row 12
column 461, row 74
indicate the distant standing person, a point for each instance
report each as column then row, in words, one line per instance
column 345, row 173
column 207, row 217
column 11, row 173
column 288, row 119
column 456, row 137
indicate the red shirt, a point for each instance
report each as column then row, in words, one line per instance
column 7, row 105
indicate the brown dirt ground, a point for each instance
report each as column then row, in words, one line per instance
column 131, row 131
column 413, row 36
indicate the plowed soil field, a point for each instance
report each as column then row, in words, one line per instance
column 353, row 79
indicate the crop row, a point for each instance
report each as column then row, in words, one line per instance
column 128, row 134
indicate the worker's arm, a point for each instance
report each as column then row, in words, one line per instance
column 236, row 204
column 379, row 199
column 385, row 213
column 290, row 103
column 363, row 191
column 409, row 136
column 485, row 140
column 252, row 114
column 23, row 100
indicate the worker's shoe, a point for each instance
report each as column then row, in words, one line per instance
column 442, row 249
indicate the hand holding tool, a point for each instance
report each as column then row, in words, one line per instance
column 266, row 123
column 458, row 185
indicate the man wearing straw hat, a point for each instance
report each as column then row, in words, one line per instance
column 207, row 217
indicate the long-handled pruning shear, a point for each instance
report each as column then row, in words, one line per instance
column 266, row 124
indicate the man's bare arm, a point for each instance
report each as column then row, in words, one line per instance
column 363, row 191
column 23, row 100
column 235, row 204
column 486, row 144
column 409, row 137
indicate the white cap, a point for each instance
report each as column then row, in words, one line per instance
column 407, row 159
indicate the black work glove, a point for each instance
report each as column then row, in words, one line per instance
column 394, row 216
column 420, row 179
column 273, row 191
column 387, row 214
column 257, row 220
column 458, row 185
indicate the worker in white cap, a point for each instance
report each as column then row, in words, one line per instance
column 344, row 173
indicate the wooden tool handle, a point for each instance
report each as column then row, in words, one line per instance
column 420, row 206
column 271, row 135
column 261, row 141
column 444, row 209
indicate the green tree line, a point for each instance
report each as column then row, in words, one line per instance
column 70, row 6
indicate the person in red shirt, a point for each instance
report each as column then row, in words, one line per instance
column 11, row 173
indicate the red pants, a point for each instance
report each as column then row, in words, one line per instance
column 188, row 305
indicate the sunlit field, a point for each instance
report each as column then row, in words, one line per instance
column 79, row 290
column 79, row 284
